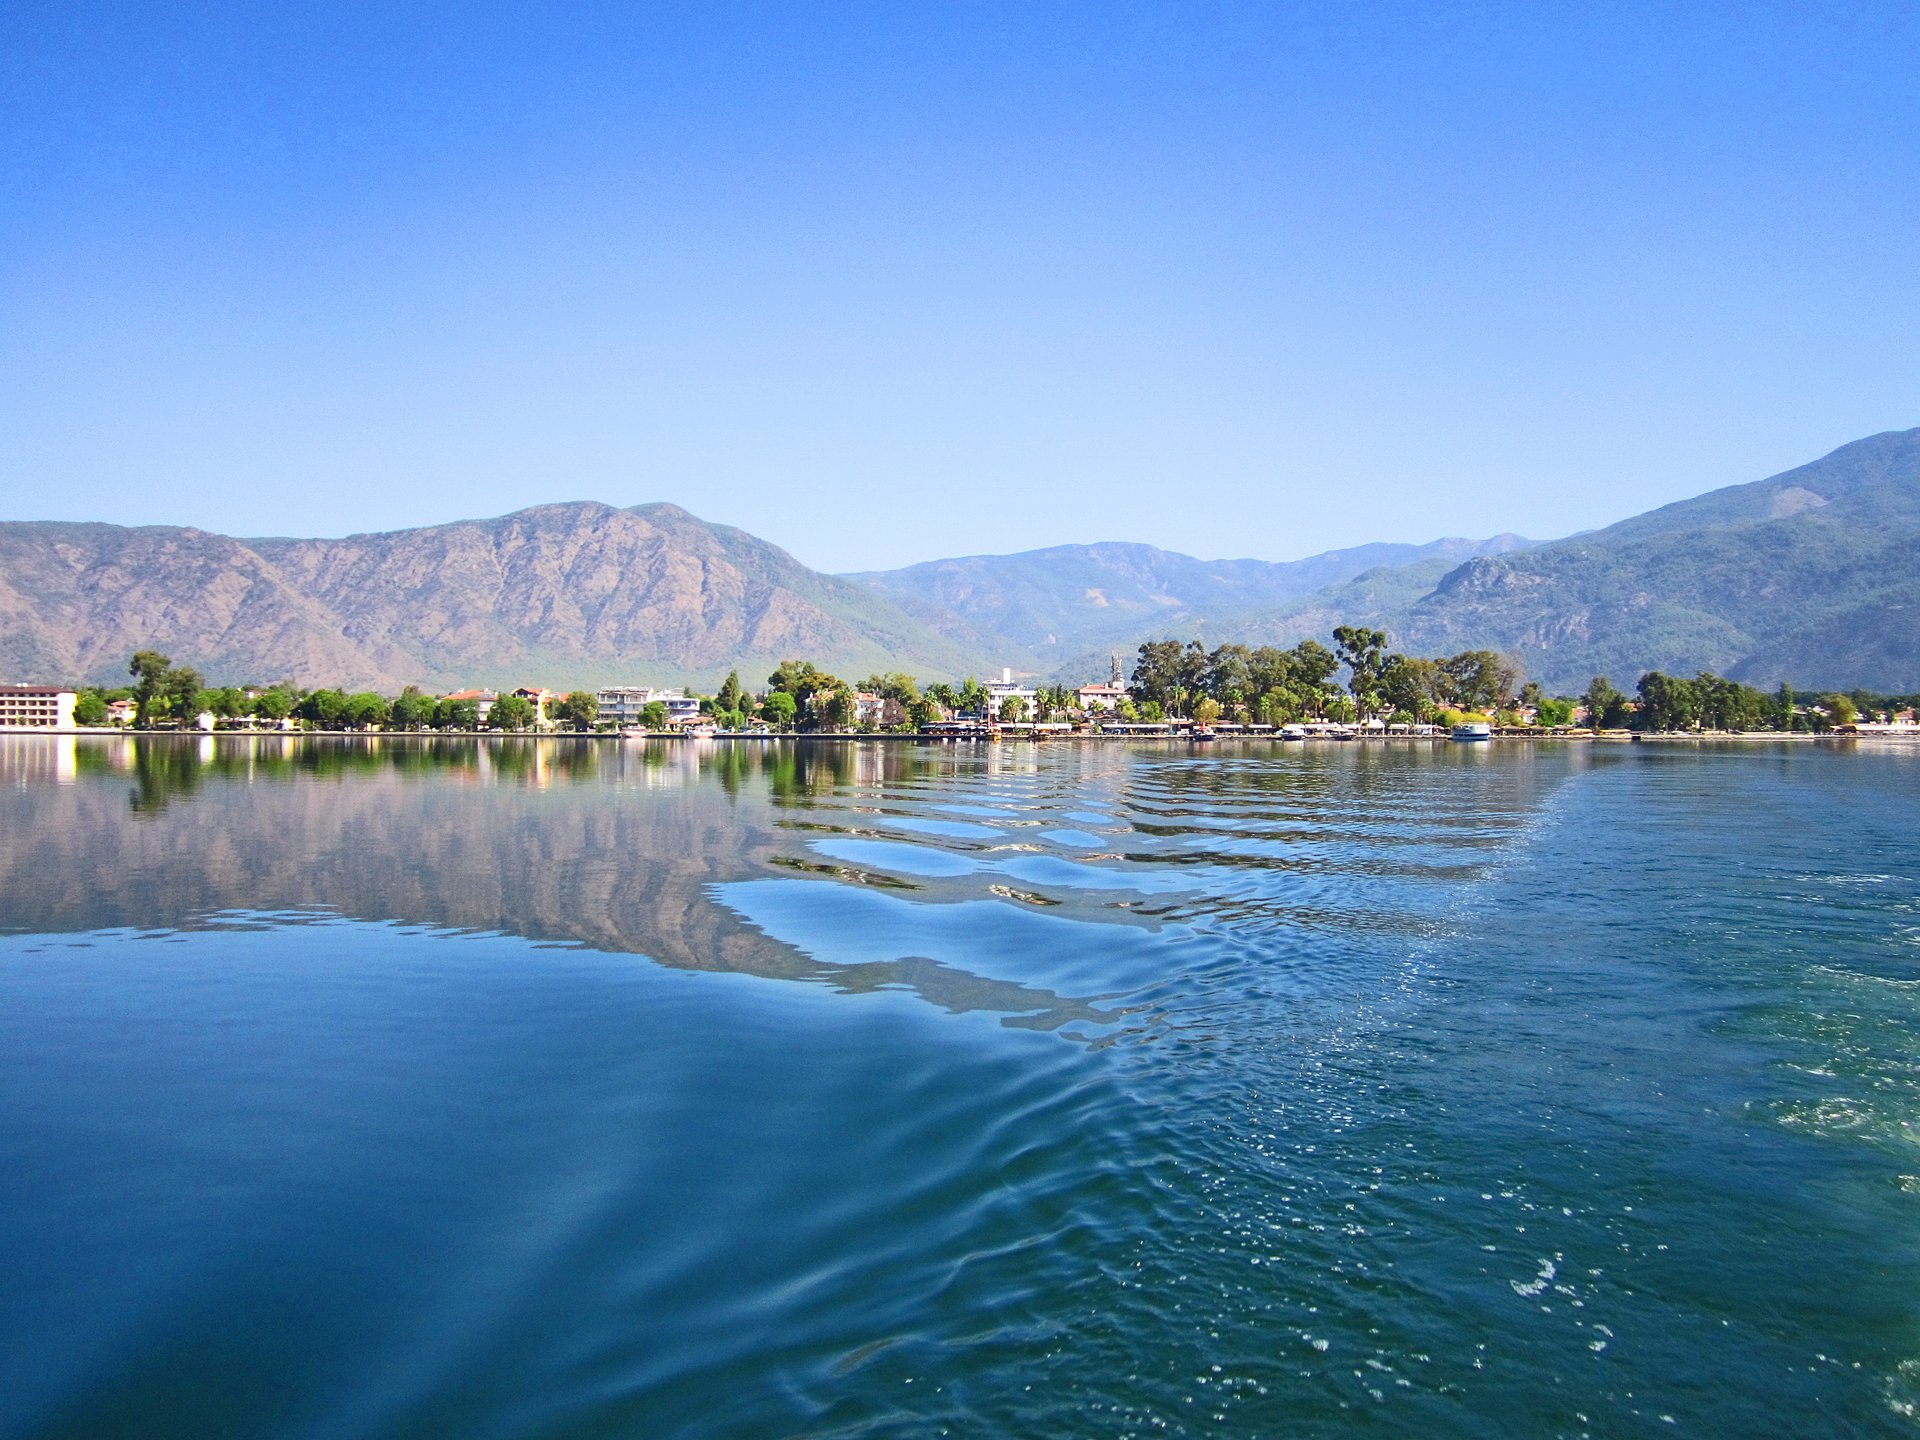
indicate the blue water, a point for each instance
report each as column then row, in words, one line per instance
column 568, row 1090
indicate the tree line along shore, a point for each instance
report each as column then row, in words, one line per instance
column 1359, row 681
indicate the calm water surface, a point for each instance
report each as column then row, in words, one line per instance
column 559, row 1089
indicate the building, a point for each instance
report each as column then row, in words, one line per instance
column 539, row 699
column 482, row 701
column 620, row 705
column 121, row 712
column 1000, row 691
column 868, row 709
column 1100, row 697
column 36, row 707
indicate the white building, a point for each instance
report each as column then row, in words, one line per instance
column 36, row 707
column 482, row 701
column 1003, row 690
column 1100, row 697
column 620, row 705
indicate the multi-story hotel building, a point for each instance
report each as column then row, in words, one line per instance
column 621, row 705
column 36, row 707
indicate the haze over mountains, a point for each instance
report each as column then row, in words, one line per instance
column 1064, row 601
column 1809, row 577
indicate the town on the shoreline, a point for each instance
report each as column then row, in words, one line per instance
column 1357, row 688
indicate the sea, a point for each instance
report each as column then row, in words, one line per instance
column 580, row 1089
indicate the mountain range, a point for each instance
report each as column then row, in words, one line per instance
column 1808, row 577
column 575, row 594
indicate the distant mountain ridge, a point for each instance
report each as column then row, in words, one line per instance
column 577, row 593
column 1058, row 602
column 1807, row 577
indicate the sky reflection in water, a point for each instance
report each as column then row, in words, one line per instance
column 429, row 1087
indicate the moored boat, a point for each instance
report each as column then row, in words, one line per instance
column 1473, row 730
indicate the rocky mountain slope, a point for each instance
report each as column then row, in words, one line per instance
column 1808, row 577
column 1069, row 599
column 559, row 594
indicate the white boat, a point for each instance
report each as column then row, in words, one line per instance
column 1473, row 730
column 1293, row 732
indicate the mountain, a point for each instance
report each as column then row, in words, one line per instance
column 559, row 594
column 1806, row 577
column 1068, row 599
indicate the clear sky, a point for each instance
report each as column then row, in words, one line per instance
column 887, row 282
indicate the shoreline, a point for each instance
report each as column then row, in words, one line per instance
column 1605, row 737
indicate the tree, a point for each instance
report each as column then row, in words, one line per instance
column 580, row 709
column 364, row 710
column 180, row 687
column 1206, row 710
column 779, row 710
column 1668, row 702
column 1406, row 685
column 730, row 693
column 322, row 708
column 1013, row 710
column 1508, row 675
column 1607, row 708
column 1554, row 710
column 1311, row 664
column 801, row 680
column 1840, row 710
column 411, row 710
column 971, row 699
column 1727, row 704
column 1230, row 674
column 275, row 703
column 515, row 712
column 1156, row 672
column 1783, row 712
column 1363, row 652
column 89, row 708
column 1604, row 703
column 456, row 715
column 836, row 709
column 894, row 686
column 149, row 670
column 1468, row 680
column 233, row 702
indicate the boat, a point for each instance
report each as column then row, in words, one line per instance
column 1293, row 732
column 1201, row 732
column 1473, row 730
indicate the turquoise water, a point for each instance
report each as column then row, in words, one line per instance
column 560, row 1090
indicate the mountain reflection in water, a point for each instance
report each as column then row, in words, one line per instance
column 628, row 847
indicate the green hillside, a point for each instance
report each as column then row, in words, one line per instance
column 1808, row 577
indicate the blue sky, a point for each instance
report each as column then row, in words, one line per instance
column 882, row 283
